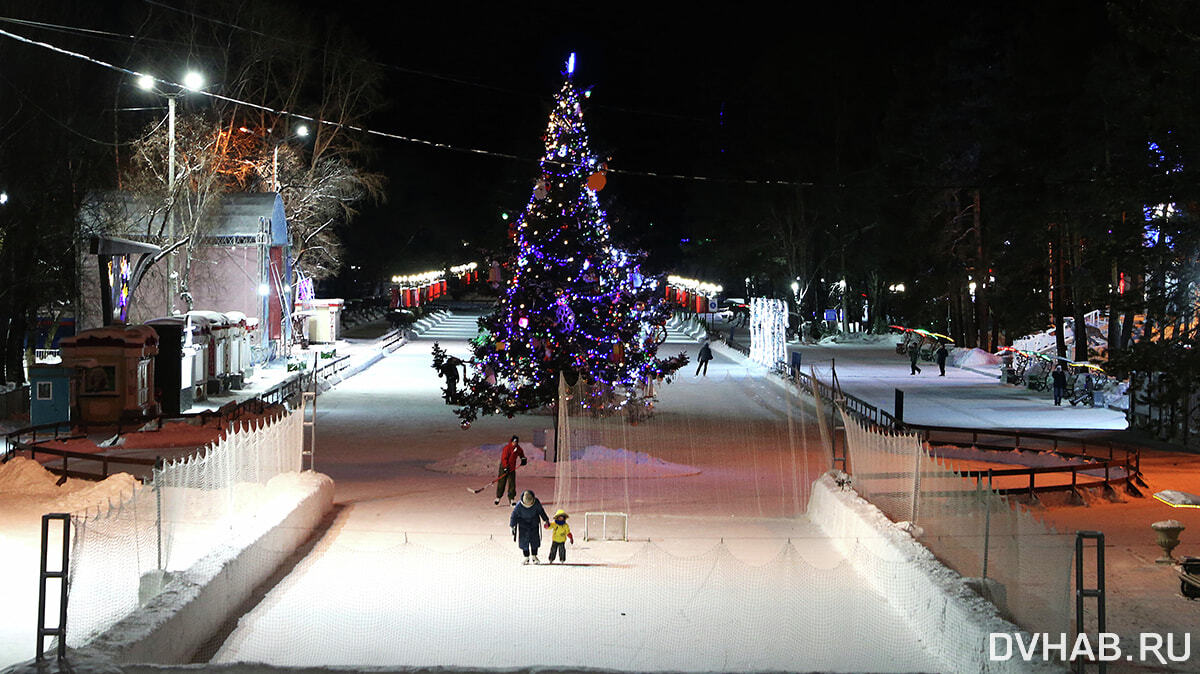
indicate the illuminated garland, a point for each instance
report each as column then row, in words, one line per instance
column 768, row 331
column 574, row 303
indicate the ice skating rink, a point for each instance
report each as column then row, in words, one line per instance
column 723, row 571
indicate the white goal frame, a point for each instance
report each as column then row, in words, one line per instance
column 604, row 524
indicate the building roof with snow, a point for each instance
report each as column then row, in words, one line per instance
column 236, row 220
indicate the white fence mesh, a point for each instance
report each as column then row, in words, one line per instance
column 121, row 554
column 969, row 527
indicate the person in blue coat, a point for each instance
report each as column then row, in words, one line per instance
column 524, row 523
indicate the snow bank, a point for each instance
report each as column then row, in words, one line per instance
column 26, row 476
column 953, row 620
column 194, row 604
column 977, row 358
column 856, row 338
column 592, row 461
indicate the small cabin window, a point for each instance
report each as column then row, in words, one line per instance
column 45, row 390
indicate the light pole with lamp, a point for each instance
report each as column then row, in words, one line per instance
column 192, row 81
column 302, row 132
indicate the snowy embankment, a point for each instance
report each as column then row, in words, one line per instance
column 593, row 461
column 953, row 621
column 194, row 604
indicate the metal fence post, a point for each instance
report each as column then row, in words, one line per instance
column 1082, row 592
column 61, row 575
column 918, row 450
column 987, row 524
column 156, row 476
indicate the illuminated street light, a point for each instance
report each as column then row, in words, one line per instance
column 193, row 81
column 3, row 198
column 302, row 131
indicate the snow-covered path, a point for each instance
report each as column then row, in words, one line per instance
column 963, row 398
column 416, row 571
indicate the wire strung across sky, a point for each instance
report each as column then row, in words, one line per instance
column 493, row 153
column 388, row 134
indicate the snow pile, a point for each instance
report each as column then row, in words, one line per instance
column 113, row 489
column 592, row 461
column 977, row 358
column 26, row 476
column 855, row 338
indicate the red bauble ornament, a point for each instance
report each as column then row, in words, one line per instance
column 596, row 181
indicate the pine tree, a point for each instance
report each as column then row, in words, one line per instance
column 576, row 303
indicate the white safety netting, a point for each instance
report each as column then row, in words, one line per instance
column 1024, row 564
column 123, row 553
column 751, row 458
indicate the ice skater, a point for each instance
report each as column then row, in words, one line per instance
column 524, row 524
column 449, row 370
column 508, row 470
column 914, row 352
column 560, row 533
column 703, row 357
column 941, row 359
column 1060, row 383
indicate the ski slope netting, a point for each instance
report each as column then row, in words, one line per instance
column 748, row 446
column 1028, row 563
column 122, row 553
column 360, row 600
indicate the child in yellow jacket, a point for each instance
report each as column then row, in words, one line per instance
column 560, row 532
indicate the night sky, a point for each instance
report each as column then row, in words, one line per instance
column 731, row 92
column 728, row 94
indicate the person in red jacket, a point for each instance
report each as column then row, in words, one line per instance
column 508, row 470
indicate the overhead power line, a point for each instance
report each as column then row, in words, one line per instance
column 384, row 134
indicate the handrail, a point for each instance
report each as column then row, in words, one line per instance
column 870, row 414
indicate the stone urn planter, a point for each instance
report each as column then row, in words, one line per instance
column 1168, row 538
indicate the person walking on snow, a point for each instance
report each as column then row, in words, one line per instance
column 703, row 357
column 524, row 524
column 1060, row 384
column 560, row 531
column 941, row 359
column 508, row 470
column 914, row 352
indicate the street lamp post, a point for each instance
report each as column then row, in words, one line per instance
column 192, row 81
column 302, row 132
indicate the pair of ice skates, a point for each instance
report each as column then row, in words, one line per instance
column 532, row 560
column 511, row 502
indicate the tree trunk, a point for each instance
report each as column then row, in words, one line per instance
column 1114, row 297
column 1056, row 301
column 1081, row 334
column 983, row 276
column 14, row 348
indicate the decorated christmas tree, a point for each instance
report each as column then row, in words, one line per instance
column 574, row 304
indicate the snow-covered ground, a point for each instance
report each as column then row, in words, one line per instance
column 592, row 461
column 416, row 571
column 27, row 491
column 962, row 398
column 724, row 570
